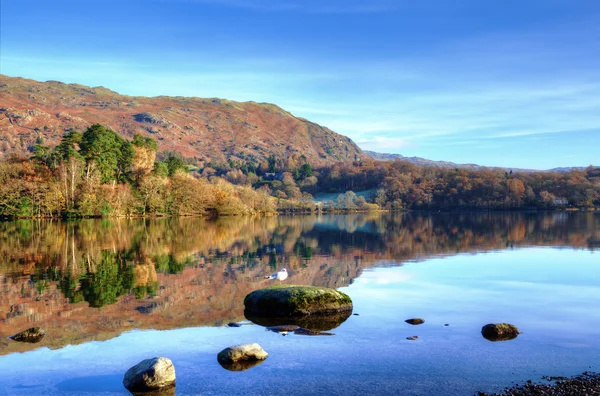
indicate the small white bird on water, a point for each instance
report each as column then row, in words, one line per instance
column 281, row 275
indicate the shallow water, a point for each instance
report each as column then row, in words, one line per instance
column 539, row 272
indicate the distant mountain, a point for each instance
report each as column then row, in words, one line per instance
column 452, row 165
column 208, row 129
column 421, row 161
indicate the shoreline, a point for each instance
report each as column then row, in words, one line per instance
column 211, row 215
column 586, row 383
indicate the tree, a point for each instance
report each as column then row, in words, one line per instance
column 111, row 154
column 272, row 160
column 68, row 148
column 161, row 169
column 175, row 163
column 306, row 170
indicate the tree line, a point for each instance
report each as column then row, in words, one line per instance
column 402, row 185
column 100, row 173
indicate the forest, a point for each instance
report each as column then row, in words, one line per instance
column 98, row 173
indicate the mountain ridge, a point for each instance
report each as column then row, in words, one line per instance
column 451, row 165
column 209, row 129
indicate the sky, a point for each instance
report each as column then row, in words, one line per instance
column 512, row 83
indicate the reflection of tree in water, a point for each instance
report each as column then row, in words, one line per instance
column 105, row 280
column 100, row 260
column 113, row 275
column 168, row 264
column 113, row 278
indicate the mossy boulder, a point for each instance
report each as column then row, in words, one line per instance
column 296, row 301
column 499, row 332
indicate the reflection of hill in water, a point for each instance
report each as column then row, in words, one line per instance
column 94, row 279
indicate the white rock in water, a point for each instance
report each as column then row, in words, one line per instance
column 149, row 375
column 242, row 352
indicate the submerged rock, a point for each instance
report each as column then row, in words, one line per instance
column 412, row 338
column 150, row 375
column 32, row 335
column 292, row 300
column 244, row 352
column 415, row 321
column 499, row 332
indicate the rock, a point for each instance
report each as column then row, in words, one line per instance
column 499, row 331
column 446, row 324
column 150, row 375
column 412, row 338
column 244, row 352
column 284, row 300
column 234, row 324
column 301, row 331
column 32, row 335
column 415, row 321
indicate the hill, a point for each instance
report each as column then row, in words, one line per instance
column 208, row 129
column 452, row 165
column 421, row 161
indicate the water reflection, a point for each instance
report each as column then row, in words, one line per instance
column 93, row 279
column 310, row 322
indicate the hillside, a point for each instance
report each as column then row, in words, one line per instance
column 208, row 129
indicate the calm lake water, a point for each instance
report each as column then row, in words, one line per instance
column 113, row 292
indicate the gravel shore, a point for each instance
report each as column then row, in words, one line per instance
column 586, row 384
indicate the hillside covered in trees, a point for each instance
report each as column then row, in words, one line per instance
column 99, row 173
column 402, row 185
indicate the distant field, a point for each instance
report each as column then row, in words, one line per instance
column 324, row 197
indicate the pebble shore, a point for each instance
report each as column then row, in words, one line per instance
column 586, row 384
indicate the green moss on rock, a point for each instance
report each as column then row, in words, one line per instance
column 292, row 300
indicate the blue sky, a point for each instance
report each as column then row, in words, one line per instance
column 505, row 83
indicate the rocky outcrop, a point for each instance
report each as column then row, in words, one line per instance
column 150, row 375
column 499, row 331
column 296, row 301
column 32, row 335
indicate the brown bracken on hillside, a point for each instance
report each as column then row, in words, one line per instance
column 208, row 129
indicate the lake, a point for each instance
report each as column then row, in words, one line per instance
column 111, row 293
